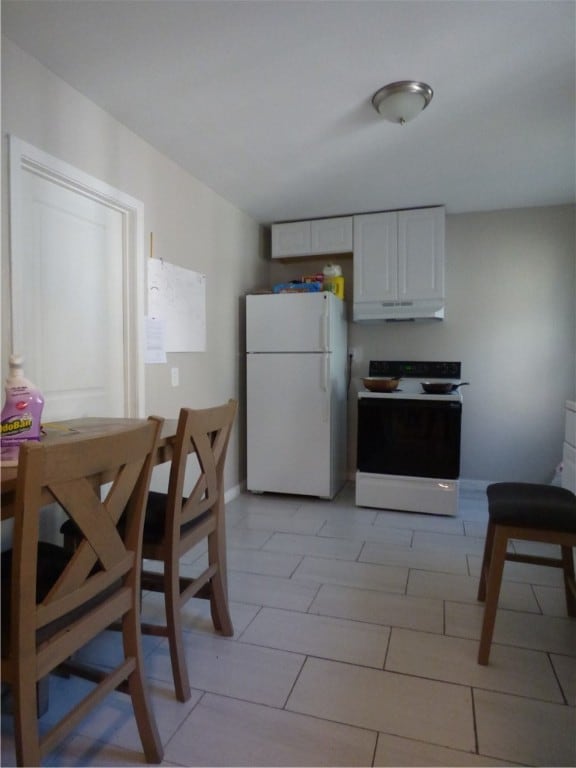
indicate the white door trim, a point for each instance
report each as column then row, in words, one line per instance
column 25, row 158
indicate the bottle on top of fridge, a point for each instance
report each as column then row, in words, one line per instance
column 333, row 280
column 22, row 411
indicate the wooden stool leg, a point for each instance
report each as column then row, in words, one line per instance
column 486, row 561
column 569, row 580
column 496, row 568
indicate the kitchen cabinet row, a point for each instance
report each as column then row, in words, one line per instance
column 398, row 258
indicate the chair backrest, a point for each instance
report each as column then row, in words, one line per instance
column 206, row 433
column 71, row 473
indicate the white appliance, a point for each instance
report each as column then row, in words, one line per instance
column 569, row 451
column 296, row 346
column 408, row 441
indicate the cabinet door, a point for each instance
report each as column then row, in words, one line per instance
column 331, row 235
column 375, row 257
column 421, row 254
column 292, row 239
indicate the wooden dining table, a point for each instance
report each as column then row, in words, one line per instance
column 59, row 431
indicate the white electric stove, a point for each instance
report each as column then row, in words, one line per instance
column 408, row 445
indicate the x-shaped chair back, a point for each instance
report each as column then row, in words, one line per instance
column 60, row 600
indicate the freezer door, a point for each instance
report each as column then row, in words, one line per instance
column 288, row 424
column 292, row 322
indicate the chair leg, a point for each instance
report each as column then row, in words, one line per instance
column 569, row 580
column 486, row 561
column 218, row 593
column 174, row 628
column 138, row 690
column 494, row 579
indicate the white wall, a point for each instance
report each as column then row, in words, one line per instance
column 193, row 227
column 510, row 319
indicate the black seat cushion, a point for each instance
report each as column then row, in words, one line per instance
column 52, row 561
column 154, row 522
column 156, row 518
column 531, row 505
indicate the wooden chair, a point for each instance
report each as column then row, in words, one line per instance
column 54, row 601
column 175, row 524
column 529, row 512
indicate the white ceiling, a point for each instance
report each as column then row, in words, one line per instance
column 268, row 102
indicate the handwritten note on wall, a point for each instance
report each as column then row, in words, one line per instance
column 177, row 299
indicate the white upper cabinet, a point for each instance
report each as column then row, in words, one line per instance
column 291, row 239
column 331, row 235
column 421, row 254
column 399, row 265
column 312, row 238
column 376, row 257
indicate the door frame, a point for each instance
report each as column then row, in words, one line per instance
column 25, row 158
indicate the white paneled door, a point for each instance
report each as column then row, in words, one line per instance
column 77, row 289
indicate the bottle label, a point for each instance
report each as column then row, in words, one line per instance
column 17, row 426
column 21, row 415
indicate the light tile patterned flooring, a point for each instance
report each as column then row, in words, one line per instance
column 356, row 633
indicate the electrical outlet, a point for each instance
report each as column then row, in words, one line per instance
column 175, row 377
column 356, row 353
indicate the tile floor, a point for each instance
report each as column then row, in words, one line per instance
column 356, row 634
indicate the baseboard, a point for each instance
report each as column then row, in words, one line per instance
column 474, row 486
column 233, row 493
column 466, row 485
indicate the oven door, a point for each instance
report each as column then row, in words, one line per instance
column 419, row 438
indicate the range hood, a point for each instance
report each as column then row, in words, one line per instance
column 398, row 311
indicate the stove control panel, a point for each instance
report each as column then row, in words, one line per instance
column 410, row 369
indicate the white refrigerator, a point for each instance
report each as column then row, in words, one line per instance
column 296, row 363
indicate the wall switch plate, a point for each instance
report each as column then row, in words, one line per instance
column 175, row 378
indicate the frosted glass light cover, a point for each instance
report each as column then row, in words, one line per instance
column 402, row 101
column 402, row 107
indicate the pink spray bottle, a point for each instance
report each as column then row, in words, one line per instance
column 22, row 411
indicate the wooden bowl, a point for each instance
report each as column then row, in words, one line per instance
column 379, row 384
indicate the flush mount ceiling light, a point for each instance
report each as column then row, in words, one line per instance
column 400, row 102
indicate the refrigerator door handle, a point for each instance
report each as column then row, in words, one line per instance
column 325, row 373
column 325, row 385
column 325, row 340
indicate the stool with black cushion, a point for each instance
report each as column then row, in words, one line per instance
column 529, row 512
